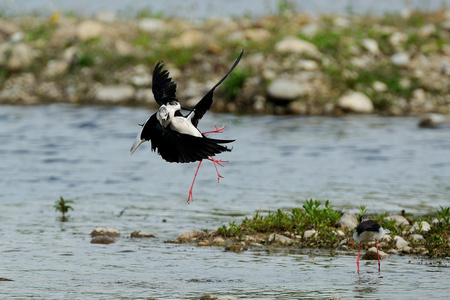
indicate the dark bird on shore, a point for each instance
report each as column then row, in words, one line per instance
column 368, row 231
column 175, row 136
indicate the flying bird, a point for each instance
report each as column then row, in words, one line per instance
column 175, row 136
column 368, row 231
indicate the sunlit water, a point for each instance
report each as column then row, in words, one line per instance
column 82, row 153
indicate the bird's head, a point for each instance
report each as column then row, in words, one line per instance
column 163, row 115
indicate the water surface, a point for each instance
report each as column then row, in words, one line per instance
column 82, row 153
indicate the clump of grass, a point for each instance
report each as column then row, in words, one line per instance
column 63, row 207
column 234, row 83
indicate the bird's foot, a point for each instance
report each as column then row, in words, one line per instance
column 217, row 162
column 217, row 130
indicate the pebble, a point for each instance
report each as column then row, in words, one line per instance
column 373, row 250
column 16, row 56
column 356, row 102
column 434, row 121
column 89, row 29
column 105, row 231
column 371, row 46
column 400, row 59
column 309, row 233
column 348, row 220
column 218, row 241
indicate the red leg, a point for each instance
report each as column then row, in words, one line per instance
column 217, row 162
column 378, row 255
column 190, row 197
column 357, row 260
column 217, row 130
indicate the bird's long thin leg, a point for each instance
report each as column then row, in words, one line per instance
column 217, row 162
column 190, row 197
column 217, row 130
column 378, row 255
column 357, row 260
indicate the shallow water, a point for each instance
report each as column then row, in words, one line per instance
column 82, row 153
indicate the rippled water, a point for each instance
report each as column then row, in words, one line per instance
column 82, row 153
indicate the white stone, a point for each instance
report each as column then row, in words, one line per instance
column 379, row 86
column 398, row 38
column 348, row 220
column 417, row 237
column 309, row 233
column 371, row 46
column 151, row 25
column 89, row 29
column 191, row 236
column 422, row 227
column 284, row 89
column 296, row 45
column 188, row 39
column 55, row 67
column 427, row 30
column 114, row 93
column 400, row 59
column 356, row 102
column 399, row 220
column 141, row 234
column 400, row 243
column 308, row 65
column 218, row 241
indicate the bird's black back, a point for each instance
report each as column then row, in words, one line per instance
column 369, row 225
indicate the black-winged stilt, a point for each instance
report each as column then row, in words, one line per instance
column 368, row 231
column 175, row 136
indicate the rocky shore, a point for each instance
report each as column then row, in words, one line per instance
column 293, row 63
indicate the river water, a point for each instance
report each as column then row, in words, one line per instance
column 82, row 154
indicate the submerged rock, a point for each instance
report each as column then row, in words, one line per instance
column 103, row 239
column 371, row 254
column 141, row 234
column 434, row 121
column 191, row 236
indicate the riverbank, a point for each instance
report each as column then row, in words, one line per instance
column 293, row 63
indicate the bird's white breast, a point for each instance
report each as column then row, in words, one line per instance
column 182, row 125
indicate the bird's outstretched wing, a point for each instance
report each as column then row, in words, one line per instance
column 163, row 87
column 205, row 103
column 180, row 148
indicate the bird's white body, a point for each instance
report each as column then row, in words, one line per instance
column 166, row 116
column 370, row 236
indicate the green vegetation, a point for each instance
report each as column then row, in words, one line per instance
column 233, row 85
column 322, row 218
column 63, row 207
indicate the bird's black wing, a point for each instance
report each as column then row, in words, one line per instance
column 369, row 225
column 180, row 148
column 163, row 87
column 205, row 103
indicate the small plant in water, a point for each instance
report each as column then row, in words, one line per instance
column 63, row 207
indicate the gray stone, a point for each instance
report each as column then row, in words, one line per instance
column 348, row 220
column 296, row 45
column 105, row 231
column 284, row 89
column 114, row 94
column 356, row 102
